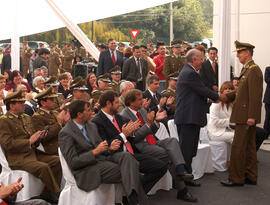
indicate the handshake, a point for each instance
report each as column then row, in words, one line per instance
column 221, row 98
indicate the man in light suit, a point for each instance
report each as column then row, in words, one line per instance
column 191, row 100
column 92, row 161
column 147, row 143
column 135, row 69
column 109, row 58
column 112, row 126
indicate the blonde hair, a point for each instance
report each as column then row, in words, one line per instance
column 224, row 86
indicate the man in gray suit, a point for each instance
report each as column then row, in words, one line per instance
column 147, row 143
column 135, row 69
column 92, row 161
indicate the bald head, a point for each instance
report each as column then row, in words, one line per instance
column 195, row 58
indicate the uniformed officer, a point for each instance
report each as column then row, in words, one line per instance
column 54, row 62
column 26, row 56
column 46, row 115
column 170, row 92
column 174, row 62
column 69, row 55
column 17, row 138
column 57, row 49
column 121, row 47
column 246, row 113
column 79, row 89
column 116, row 78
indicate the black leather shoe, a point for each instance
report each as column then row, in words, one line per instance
column 192, row 183
column 186, row 197
column 250, row 182
column 186, row 176
column 230, row 183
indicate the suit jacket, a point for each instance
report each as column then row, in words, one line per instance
column 77, row 152
column 6, row 63
column 130, row 70
column 248, row 97
column 105, row 62
column 39, row 62
column 266, row 98
column 143, row 131
column 108, row 131
column 219, row 119
column 153, row 104
column 208, row 76
column 191, row 98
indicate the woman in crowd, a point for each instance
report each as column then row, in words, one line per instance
column 38, row 84
column 64, row 84
column 127, row 53
column 16, row 78
column 220, row 113
column 91, row 82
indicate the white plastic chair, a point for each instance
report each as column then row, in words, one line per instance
column 71, row 194
column 202, row 163
column 32, row 185
column 165, row 183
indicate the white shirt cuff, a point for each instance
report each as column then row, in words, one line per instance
column 123, row 137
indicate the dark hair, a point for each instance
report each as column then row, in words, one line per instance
column 9, row 72
column 62, row 76
column 143, row 46
column 160, row 44
column 42, row 99
column 151, row 79
column 108, row 95
column 14, row 74
column 77, row 106
column 8, row 105
column 110, row 40
column 135, row 47
column 87, row 79
column 200, row 48
column 43, row 51
column 131, row 96
column 212, row 48
column 127, row 52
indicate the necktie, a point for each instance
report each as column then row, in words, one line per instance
column 127, row 144
column 155, row 98
column 149, row 138
column 85, row 134
column 214, row 67
column 113, row 58
column 139, row 68
column 3, row 203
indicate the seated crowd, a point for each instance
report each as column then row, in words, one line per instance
column 105, row 125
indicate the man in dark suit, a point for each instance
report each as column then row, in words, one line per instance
column 112, row 126
column 191, row 100
column 209, row 72
column 266, row 100
column 148, row 144
column 93, row 161
column 109, row 58
column 135, row 69
column 6, row 63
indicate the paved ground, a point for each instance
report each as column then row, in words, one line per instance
column 213, row 193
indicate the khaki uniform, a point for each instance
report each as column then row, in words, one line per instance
column 68, row 60
column 14, row 139
column 115, row 86
column 170, row 93
column 59, row 101
column 58, row 50
column 173, row 64
column 54, row 63
column 83, row 53
column 41, row 118
column 247, row 104
column 26, row 56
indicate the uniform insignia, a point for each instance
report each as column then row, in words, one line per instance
column 10, row 117
column 42, row 113
column 3, row 117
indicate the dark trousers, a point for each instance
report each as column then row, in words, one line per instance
column 266, row 125
column 243, row 161
column 261, row 135
column 188, row 139
column 152, row 168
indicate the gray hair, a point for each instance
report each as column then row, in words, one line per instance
column 36, row 79
column 43, row 68
column 37, row 70
column 123, row 85
column 193, row 53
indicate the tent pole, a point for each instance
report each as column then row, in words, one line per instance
column 15, row 39
column 75, row 30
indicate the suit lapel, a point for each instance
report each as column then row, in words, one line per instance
column 131, row 115
column 79, row 133
column 108, row 123
column 109, row 55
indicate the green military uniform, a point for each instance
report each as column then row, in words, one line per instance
column 115, row 85
column 247, row 104
column 82, row 52
column 79, row 84
column 14, row 138
column 54, row 63
column 26, row 56
column 169, row 92
column 68, row 60
column 44, row 117
column 173, row 63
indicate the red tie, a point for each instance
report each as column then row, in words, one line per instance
column 3, row 203
column 155, row 98
column 139, row 68
column 214, row 67
column 113, row 58
column 150, row 138
column 127, row 144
